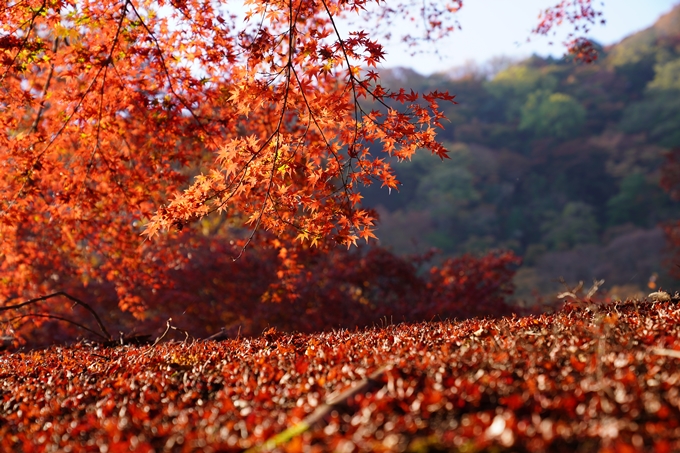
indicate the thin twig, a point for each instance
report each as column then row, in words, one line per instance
column 334, row 401
column 666, row 352
column 43, row 96
column 58, row 318
column 71, row 298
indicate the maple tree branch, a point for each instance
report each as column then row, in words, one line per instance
column 34, row 126
column 277, row 130
column 242, row 172
column 58, row 318
column 168, row 76
column 424, row 16
column 349, row 67
column 358, row 110
column 114, row 176
column 66, row 295
column 323, row 135
column 75, row 110
column 101, row 106
column 31, row 25
column 8, row 7
column 230, row 187
column 109, row 60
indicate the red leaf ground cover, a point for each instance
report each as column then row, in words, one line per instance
column 587, row 378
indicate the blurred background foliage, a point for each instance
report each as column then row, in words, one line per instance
column 558, row 161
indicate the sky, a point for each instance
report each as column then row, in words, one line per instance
column 492, row 28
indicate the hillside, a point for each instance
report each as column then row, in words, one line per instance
column 555, row 160
column 587, row 378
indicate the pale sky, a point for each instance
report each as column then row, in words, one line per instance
column 492, row 28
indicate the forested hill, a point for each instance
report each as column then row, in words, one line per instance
column 557, row 160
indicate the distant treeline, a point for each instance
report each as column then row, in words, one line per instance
column 556, row 160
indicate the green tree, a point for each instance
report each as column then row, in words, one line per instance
column 639, row 201
column 666, row 76
column 555, row 115
column 658, row 114
column 514, row 85
column 576, row 224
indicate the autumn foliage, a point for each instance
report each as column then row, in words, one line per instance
column 580, row 13
column 586, row 379
column 136, row 131
column 197, row 168
column 361, row 287
column 358, row 287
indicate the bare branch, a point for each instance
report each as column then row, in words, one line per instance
column 71, row 298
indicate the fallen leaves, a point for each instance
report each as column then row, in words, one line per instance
column 560, row 382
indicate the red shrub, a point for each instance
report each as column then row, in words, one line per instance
column 298, row 288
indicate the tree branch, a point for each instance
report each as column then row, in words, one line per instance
column 71, row 298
